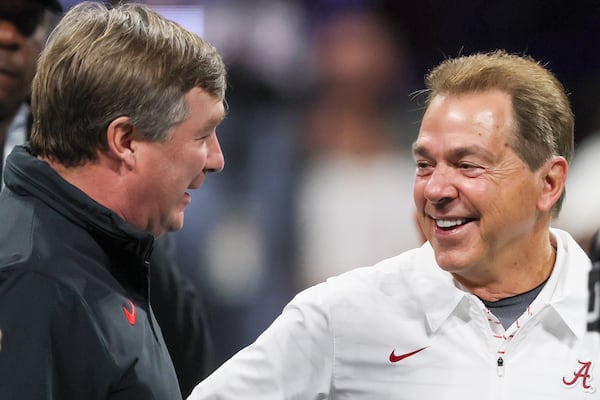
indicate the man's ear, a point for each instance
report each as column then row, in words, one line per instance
column 554, row 177
column 121, row 140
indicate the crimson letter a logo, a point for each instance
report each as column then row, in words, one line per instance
column 583, row 375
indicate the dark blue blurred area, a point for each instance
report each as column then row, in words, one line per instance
column 561, row 34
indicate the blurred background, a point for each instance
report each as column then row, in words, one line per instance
column 322, row 113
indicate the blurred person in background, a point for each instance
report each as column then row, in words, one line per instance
column 581, row 212
column 354, row 200
column 580, row 215
column 495, row 292
column 23, row 27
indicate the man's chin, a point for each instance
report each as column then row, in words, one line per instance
column 176, row 224
column 451, row 261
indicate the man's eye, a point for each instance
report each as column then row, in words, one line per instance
column 471, row 170
column 423, row 168
column 203, row 137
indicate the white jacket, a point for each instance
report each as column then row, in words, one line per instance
column 404, row 330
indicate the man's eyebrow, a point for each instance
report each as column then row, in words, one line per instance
column 215, row 121
column 420, row 150
column 477, row 150
column 457, row 153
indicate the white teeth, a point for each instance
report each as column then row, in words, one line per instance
column 449, row 223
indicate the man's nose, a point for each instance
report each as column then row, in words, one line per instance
column 10, row 37
column 440, row 186
column 215, row 161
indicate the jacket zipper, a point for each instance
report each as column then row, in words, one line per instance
column 500, row 366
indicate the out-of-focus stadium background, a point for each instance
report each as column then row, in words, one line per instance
column 321, row 116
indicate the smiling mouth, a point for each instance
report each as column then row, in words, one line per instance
column 447, row 224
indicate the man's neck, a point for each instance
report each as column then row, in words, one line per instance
column 517, row 277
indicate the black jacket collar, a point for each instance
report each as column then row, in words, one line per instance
column 27, row 175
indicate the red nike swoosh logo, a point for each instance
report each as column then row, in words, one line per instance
column 130, row 315
column 394, row 358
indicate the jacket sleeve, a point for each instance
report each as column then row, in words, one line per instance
column 292, row 359
column 180, row 312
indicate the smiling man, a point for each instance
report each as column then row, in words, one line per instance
column 125, row 108
column 484, row 210
column 493, row 305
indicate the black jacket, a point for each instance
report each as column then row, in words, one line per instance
column 179, row 309
column 74, row 298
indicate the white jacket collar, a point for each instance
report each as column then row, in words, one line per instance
column 566, row 289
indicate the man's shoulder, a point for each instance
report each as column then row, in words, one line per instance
column 390, row 277
column 388, row 271
column 37, row 261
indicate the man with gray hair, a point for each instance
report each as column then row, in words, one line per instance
column 125, row 106
column 493, row 305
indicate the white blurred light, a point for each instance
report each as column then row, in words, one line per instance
column 189, row 17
